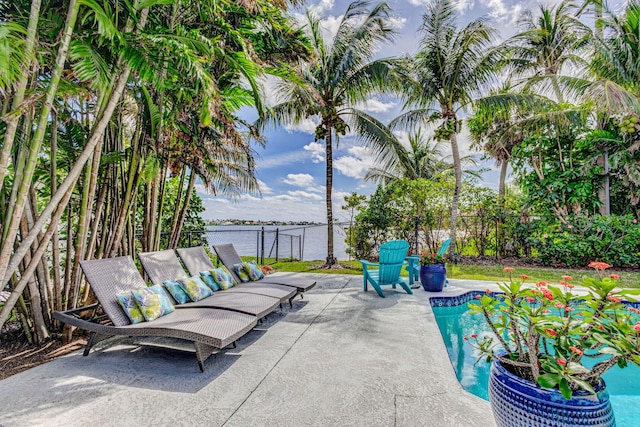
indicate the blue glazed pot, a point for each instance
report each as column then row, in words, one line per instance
column 517, row 402
column 433, row 277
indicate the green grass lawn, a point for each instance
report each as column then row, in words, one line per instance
column 471, row 272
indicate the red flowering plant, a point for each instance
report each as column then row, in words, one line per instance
column 550, row 335
column 427, row 258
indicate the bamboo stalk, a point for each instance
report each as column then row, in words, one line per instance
column 21, row 87
column 67, row 184
column 16, row 293
column 36, row 142
column 183, row 211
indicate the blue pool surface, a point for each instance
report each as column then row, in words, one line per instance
column 455, row 322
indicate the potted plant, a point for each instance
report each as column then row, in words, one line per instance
column 433, row 273
column 550, row 346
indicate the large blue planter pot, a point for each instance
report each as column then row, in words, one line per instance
column 433, row 277
column 517, row 402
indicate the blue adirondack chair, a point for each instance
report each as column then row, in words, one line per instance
column 414, row 268
column 387, row 271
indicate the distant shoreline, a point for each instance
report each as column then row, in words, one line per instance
column 210, row 222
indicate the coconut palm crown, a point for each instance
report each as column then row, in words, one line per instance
column 452, row 67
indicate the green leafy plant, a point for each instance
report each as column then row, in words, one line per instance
column 427, row 258
column 548, row 334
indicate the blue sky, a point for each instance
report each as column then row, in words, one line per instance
column 291, row 167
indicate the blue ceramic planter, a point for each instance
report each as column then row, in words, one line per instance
column 517, row 402
column 433, row 277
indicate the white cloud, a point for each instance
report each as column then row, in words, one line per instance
column 374, row 105
column 505, row 14
column 357, row 164
column 463, row 5
column 300, row 195
column 397, row 22
column 281, row 159
column 307, row 125
column 264, row 188
column 317, row 151
column 322, row 7
column 329, row 26
column 298, row 179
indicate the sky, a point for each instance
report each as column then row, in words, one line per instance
column 291, row 166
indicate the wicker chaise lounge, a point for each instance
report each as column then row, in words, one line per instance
column 196, row 260
column 207, row 329
column 228, row 256
column 164, row 265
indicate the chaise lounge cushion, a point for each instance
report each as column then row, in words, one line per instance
column 241, row 272
column 176, row 291
column 223, row 278
column 130, row 307
column 195, row 288
column 153, row 302
column 253, row 271
column 208, row 280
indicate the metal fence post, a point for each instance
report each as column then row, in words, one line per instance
column 190, row 240
column 415, row 232
column 262, row 247
column 277, row 242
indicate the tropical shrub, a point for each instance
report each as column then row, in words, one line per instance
column 612, row 239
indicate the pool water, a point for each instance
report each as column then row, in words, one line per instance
column 456, row 322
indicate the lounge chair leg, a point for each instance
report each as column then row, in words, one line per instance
column 87, row 348
column 280, row 305
column 201, row 365
column 301, row 295
column 291, row 301
column 234, row 344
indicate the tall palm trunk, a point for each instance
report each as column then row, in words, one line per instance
column 18, row 95
column 176, row 216
column 502, row 189
column 329, row 188
column 175, row 234
column 457, row 167
column 158, row 223
column 55, row 242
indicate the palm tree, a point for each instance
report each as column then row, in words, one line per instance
column 547, row 42
column 452, row 66
column 342, row 74
column 423, row 158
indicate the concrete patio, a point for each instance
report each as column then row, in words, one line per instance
column 340, row 357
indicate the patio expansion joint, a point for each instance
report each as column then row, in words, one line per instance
column 284, row 354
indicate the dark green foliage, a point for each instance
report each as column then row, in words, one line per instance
column 612, row 239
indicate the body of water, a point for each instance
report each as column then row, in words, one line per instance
column 456, row 322
column 306, row 242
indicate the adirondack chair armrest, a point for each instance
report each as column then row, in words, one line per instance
column 366, row 264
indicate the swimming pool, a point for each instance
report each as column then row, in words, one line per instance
column 455, row 322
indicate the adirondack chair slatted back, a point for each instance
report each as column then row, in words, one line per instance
column 444, row 247
column 391, row 260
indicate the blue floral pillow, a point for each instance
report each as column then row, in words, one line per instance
column 131, row 309
column 241, row 272
column 153, row 302
column 208, row 280
column 253, row 270
column 223, row 278
column 195, row 288
column 176, row 291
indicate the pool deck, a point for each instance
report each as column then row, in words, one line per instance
column 340, row 357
